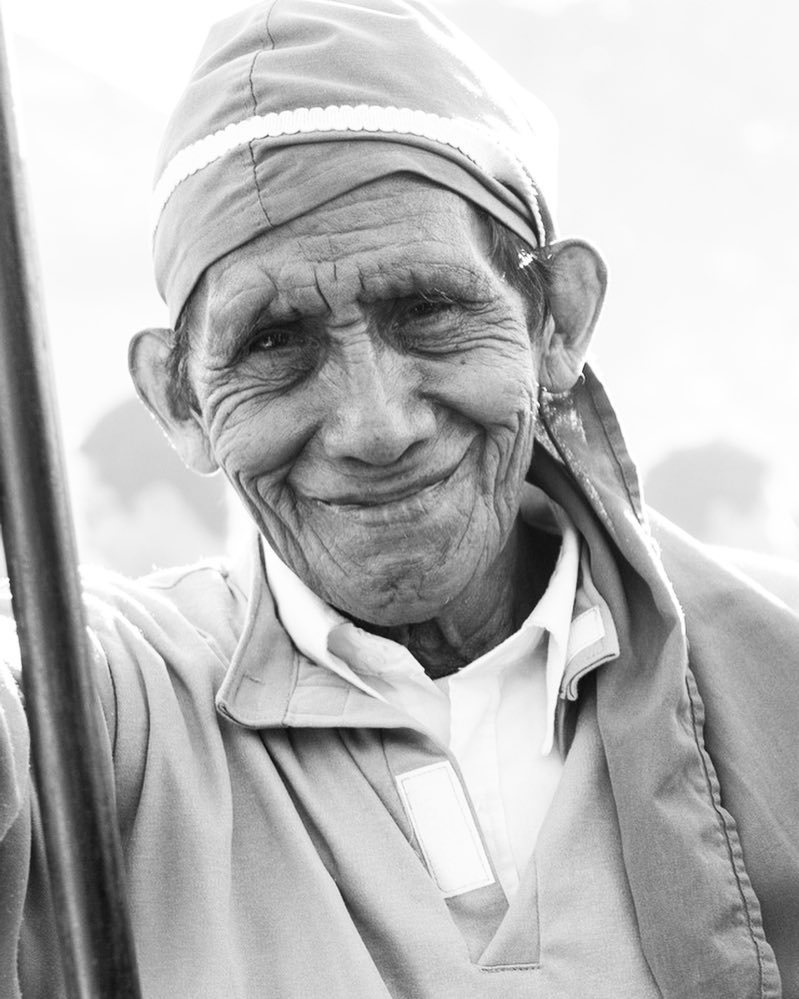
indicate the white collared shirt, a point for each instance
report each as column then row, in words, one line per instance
column 496, row 716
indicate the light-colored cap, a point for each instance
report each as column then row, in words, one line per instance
column 295, row 102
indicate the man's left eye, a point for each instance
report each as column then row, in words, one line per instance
column 269, row 340
column 424, row 309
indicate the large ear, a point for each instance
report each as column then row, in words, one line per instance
column 576, row 293
column 148, row 360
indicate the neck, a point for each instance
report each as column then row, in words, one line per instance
column 492, row 606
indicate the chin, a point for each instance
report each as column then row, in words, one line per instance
column 405, row 595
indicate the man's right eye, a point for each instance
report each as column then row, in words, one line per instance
column 266, row 340
column 429, row 308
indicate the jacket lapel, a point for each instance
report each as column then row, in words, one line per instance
column 694, row 902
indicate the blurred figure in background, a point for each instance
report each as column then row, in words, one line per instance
column 728, row 496
column 137, row 506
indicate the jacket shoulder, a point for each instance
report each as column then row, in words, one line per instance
column 202, row 599
column 706, row 576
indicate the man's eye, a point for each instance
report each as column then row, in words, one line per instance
column 429, row 308
column 279, row 356
column 266, row 340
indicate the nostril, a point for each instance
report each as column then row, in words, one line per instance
column 378, row 412
column 376, row 433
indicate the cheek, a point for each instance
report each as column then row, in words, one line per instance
column 252, row 434
column 257, row 441
column 495, row 390
column 502, row 397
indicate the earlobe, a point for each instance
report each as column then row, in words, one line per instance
column 576, row 292
column 148, row 361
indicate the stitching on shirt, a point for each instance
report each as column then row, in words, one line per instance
column 494, row 968
column 409, row 831
column 445, row 767
column 524, row 965
column 723, row 824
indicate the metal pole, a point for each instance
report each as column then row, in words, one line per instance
column 79, row 819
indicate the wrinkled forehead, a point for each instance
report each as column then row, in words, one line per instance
column 296, row 102
column 394, row 237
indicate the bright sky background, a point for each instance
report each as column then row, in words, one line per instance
column 148, row 48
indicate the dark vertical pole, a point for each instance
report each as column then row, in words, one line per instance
column 79, row 820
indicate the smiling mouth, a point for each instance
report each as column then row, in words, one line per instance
column 382, row 497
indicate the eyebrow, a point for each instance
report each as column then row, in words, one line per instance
column 445, row 280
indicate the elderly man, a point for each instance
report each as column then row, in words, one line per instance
column 460, row 734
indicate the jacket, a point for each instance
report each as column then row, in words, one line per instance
column 696, row 720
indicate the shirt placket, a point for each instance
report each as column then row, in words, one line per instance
column 474, row 707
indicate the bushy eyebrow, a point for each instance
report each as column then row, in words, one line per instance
column 449, row 281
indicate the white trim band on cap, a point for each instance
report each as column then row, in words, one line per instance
column 479, row 144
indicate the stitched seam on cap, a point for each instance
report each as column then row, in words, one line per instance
column 271, row 40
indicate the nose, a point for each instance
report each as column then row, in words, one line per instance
column 377, row 412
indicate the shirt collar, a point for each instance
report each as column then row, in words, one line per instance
column 288, row 625
column 309, row 620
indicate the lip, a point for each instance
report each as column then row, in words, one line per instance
column 385, row 494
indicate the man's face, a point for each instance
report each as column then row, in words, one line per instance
column 367, row 382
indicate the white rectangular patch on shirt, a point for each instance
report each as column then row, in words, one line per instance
column 445, row 828
column 586, row 629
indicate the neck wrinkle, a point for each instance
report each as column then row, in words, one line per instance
column 488, row 612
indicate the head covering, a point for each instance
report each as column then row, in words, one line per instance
column 295, row 102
